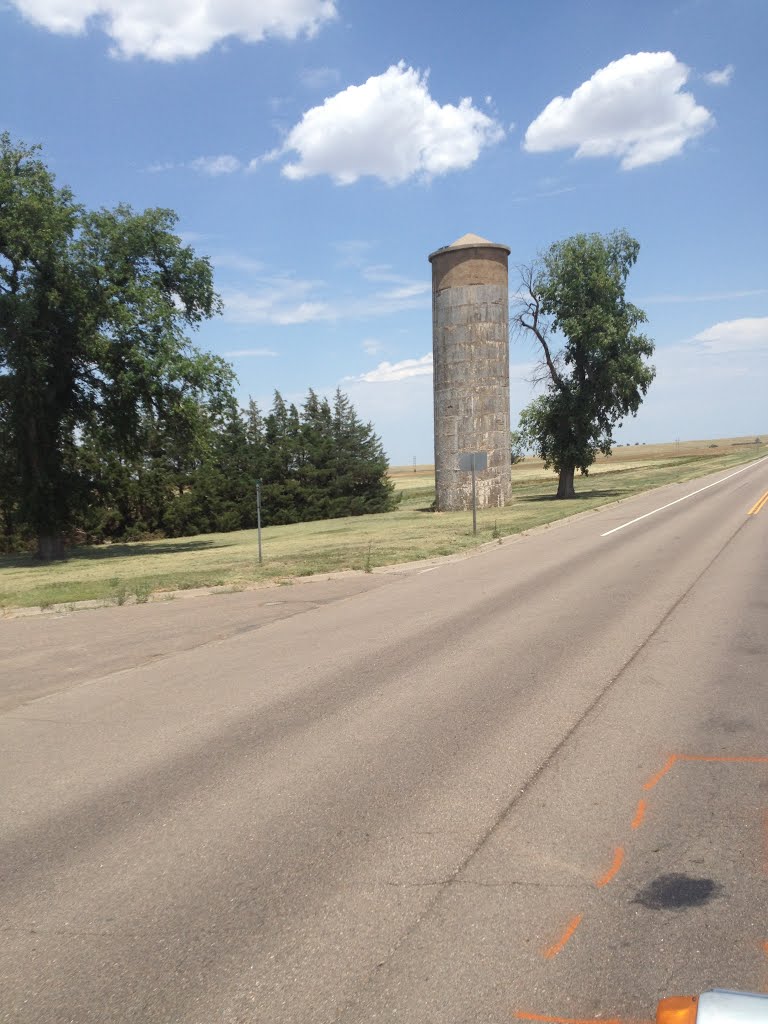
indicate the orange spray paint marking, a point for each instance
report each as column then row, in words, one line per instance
column 655, row 779
column 642, row 806
column 613, row 870
column 562, row 942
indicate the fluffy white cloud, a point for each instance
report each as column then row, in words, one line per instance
column 385, row 372
column 635, row 109
column 721, row 77
column 388, row 128
column 216, row 165
column 170, row 29
column 744, row 335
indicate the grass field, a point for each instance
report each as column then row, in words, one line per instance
column 134, row 572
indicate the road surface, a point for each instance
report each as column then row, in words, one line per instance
column 525, row 785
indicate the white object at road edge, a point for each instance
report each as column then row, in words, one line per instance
column 677, row 500
column 723, row 1007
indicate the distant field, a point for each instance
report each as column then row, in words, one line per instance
column 129, row 572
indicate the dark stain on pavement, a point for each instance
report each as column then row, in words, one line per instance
column 729, row 725
column 678, row 892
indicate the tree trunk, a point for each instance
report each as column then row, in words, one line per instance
column 50, row 546
column 565, row 483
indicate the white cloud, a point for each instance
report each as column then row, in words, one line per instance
column 161, row 167
column 702, row 297
column 352, row 252
column 241, row 264
column 748, row 334
column 319, row 78
column 386, row 373
column 371, row 346
column 698, row 395
column 279, row 300
column 634, row 108
column 721, row 77
column 170, row 29
column 382, row 272
column 246, row 353
column 406, row 291
column 544, row 195
column 287, row 300
column 216, row 165
column 388, row 128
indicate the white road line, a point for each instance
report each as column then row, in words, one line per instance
column 431, row 569
column 677, row 500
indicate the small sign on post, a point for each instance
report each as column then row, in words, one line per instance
column 473, row 462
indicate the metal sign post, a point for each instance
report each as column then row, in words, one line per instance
column 472, row 462
column 474, row 498
column 258, row 514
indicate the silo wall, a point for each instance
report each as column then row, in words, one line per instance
column 470, row 341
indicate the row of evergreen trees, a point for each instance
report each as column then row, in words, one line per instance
column 199, row 475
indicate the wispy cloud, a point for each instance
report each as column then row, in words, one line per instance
column 160, row 167
column 353, row 252
column 544, row 195
column 721, row 77
column 286, row 300
column 319, row 78
column 371, row 346
column 702, row 296
column 406, row 291
column 749, row 334
column 278, row 300
column 387, row 373
column 236, row 261
column 248, row 353
column 214, row 166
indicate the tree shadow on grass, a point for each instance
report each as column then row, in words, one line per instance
column 580, row 496
column 167, row 547
column 98, row 553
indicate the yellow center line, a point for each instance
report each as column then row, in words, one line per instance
column 759, row 504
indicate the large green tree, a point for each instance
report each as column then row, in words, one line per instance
column 573, row 304
column 94, row 313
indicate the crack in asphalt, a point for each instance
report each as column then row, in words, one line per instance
column 505, row 812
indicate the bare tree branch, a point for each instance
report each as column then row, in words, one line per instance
column 528, row 317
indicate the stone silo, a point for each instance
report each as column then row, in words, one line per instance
column 470, row 343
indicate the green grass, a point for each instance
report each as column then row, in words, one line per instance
column 123, row 573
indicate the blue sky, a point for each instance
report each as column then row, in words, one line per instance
column 318, row 150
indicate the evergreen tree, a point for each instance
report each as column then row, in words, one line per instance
column 280, row 488
column 361, row 484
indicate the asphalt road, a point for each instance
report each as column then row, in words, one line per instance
column 526, row 785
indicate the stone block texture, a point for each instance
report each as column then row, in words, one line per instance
column 470, row 344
